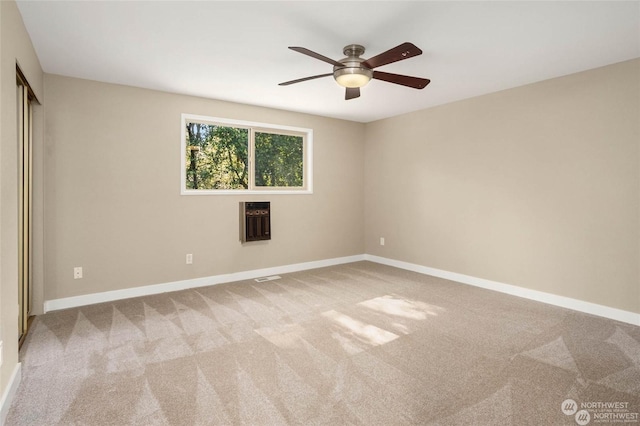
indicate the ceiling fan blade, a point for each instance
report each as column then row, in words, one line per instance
column 300, row 80
column 404, row 51
column 313, row 54
column 404, row 80
column 352, row 93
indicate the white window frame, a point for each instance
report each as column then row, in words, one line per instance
column 307, row 135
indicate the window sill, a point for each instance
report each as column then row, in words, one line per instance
column 247, row 192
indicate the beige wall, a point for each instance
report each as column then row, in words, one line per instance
column 537, row 186
column 113, row 203
column 15, row 47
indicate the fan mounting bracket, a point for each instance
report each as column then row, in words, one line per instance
column 353, row 50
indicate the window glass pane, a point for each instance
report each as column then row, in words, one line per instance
column 216, row 157
column 279, row 160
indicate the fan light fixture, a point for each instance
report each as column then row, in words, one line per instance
column 353, row 77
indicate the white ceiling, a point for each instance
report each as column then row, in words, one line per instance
column 237, row 51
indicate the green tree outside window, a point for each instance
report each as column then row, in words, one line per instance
column 218, row 158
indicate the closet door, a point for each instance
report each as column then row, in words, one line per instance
column 25, row 188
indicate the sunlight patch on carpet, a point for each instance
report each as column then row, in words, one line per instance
column 367, row 333
column 411, row 309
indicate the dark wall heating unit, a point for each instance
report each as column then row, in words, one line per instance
column 255, row 221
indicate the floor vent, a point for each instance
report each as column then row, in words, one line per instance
column 265, row 279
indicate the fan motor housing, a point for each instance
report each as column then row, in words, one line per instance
column 352, row 64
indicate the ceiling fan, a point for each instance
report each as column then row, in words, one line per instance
column 353, row 72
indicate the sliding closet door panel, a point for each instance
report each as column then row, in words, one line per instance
column 25, row 189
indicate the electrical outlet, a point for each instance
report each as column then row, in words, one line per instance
column 77, row 272
column 189, row 259
column 381, row 241
column 1, row 352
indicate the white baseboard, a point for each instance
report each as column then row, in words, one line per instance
column 108, row 296
column 10, row 392
column 551, row 299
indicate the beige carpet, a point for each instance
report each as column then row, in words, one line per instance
column 361, row 344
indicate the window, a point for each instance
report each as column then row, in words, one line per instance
column 222, row 156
